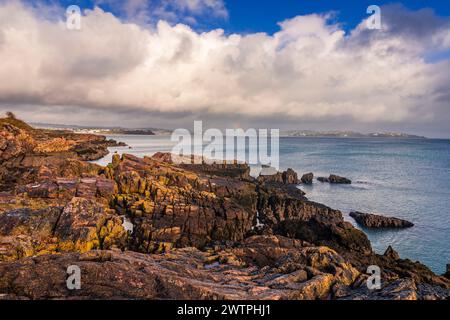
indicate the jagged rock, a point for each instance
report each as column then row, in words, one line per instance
column 129, row 275
column 24, row 232
column 376, row 221
column 274, row 178
column 307, row 178
column 85, row 225
column 290, row 177
column 163, row 157
column 391, row 253
column 46, row 189
column 55, row 145
column 334, row 233
column 323, row 179
column 286, row 177
column 447, row 274
column 171, row 206
column 14, row 142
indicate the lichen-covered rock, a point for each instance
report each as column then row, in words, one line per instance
column 80, row 226
column 85, row 225
column 14, row 142
column 55, row 145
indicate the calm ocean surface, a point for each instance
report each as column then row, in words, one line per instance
column 405, row 178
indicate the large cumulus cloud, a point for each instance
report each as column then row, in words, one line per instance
column 310, row 69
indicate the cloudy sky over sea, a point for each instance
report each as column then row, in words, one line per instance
column 285, row 64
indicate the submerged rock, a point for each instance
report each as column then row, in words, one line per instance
column 376, row 221
column 334, row 179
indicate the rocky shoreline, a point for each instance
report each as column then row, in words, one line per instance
column 198, row 231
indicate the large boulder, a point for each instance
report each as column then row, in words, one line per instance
column 339, row 180
column 307, row 178
column 376, row 221
column 334, row 179
column 290, row 177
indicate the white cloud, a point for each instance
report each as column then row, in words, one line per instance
column 308, row 70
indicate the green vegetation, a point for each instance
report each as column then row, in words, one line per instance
column 11, row 119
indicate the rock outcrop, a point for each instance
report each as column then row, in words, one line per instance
column 286, row 177
column 376, row 221
column 307, row 178
column 391, row 254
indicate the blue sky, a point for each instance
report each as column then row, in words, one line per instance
column 262, row 15
column 249, row 16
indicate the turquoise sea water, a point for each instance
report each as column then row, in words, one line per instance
column 406, row 178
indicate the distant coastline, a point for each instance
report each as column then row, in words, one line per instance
column 103, row 129
column 284, row 133
column 347, row 134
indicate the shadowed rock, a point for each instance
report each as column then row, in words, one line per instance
column 307, row 178
column 376, row 221
column 334, row 179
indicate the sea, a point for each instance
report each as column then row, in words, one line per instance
column 405, row 178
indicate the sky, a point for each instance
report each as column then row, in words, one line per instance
column 293, row 64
